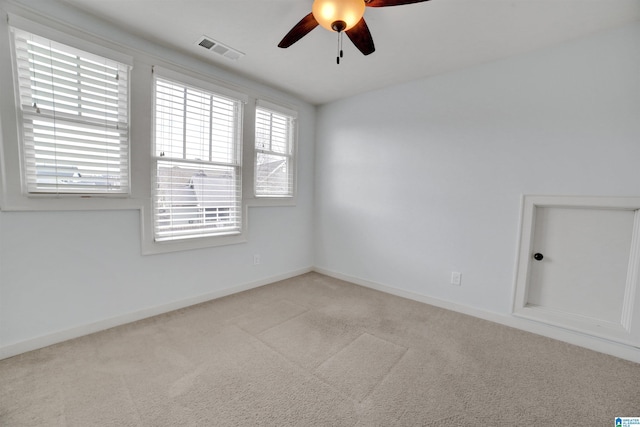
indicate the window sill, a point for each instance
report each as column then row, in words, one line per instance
column 154, row 248
column 68, row 202
column 150, row 247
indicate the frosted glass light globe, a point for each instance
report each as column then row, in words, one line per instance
column 329, row 13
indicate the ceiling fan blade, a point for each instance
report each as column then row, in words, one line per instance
column 361, row 37
column 300, row 30
column 384, row 3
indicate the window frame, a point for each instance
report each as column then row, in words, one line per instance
column 13, row 195
column 292, row 116
column 19, row 183
column 199, row 83
column 42, row 122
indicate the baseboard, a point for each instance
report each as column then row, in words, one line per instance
column 67, row 334
column 576, row 338
column 603, row 346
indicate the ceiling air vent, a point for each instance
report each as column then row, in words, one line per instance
column 219, row 48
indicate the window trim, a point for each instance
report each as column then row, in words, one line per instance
column 150, row 244
column 24, row 116
column 41, row 30
column 13, row 196
column 292, row 155
column 198, row 82
column 250, row 148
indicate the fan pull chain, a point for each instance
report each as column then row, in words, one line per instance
column 340, row 54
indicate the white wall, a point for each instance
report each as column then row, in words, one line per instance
column 422, row 179
column 412, row 182
column 63, row 274
column 67, row 270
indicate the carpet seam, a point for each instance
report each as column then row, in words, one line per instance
column 406, row 350
column 302, row 368
column 307, row 310
column 133, row 403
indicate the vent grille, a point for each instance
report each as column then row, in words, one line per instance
column 206, row 43
column 219, row 48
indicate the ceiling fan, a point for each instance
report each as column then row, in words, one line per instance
column 341, row 16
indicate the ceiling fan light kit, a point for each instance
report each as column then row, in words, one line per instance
column 341, row 16
column 338, row 15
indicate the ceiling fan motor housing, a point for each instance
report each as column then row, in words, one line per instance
column 338, row 15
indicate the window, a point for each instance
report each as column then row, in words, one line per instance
column 74, row 118
column 197, row 156
column 274, row 159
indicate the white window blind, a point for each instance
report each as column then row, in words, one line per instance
column 198, row 161
column 74, row 116
column 274, row 162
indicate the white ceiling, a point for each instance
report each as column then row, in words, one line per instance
column 412, row 41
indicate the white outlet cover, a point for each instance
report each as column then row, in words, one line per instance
column 456, row 278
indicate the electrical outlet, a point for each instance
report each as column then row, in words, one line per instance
column 256, row 259
column 456, row 278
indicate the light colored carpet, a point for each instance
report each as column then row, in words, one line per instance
column 310, row 351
